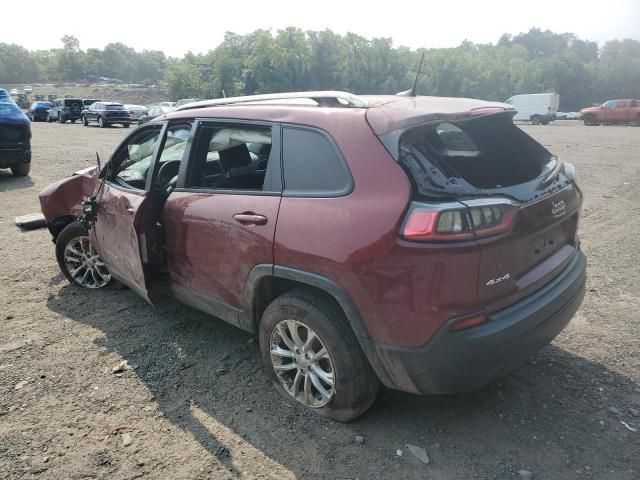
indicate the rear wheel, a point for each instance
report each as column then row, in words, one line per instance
column 313, row 356
column 78, row 260
column 535, row 120
column 102, row 123
column 84, row 121
column 21, row 170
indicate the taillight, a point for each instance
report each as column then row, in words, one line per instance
column 458, row 221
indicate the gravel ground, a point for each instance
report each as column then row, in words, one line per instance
column 195, row 404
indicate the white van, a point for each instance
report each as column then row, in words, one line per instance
column 535, row 107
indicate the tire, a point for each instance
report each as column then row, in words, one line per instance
column 591, row 121
column 73, row 120
column 535, row 120
column 355, row 385
column 76, row 237
column 21, row 170
column 84, row 121
column 102, row 123
column 61, row 118
column 126, row 125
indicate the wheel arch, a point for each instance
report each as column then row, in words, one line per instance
column 267, row 282
column 58, row 224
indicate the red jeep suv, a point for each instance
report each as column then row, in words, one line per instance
column 427, row 244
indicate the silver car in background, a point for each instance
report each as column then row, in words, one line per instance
column 136, row 112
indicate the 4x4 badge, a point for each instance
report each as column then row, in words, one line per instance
column 494, row 281
column 558, row 208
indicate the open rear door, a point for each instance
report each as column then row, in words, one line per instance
column 119, row 235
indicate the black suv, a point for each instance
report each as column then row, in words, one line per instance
column 66, row 109
column 106, row 114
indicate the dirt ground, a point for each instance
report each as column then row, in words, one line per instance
column 197, row 405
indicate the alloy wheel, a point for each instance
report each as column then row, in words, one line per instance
column 84, row 265
column 302, row 363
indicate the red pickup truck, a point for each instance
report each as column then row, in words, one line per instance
column 613, row 111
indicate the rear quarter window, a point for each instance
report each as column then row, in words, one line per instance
column 313, row 165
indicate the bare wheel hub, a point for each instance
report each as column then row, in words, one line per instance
column 84, row 265
column 302, row 363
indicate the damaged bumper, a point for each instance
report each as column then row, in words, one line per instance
column 461, row 361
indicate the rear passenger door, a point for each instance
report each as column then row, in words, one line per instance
column 220, row 221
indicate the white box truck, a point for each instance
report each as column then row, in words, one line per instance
column 535, row 107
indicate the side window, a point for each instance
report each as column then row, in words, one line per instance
column 609, row 104
column 312, row 164
column 129, row 166
column 171, row 155
column 231, row 157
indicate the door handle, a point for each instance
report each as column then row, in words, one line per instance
column 250, row 218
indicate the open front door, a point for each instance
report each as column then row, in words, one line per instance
column 119, row 236
column 123, row 228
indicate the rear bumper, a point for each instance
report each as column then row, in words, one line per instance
column 117, row 119
column 10, row 157
column 460, row 361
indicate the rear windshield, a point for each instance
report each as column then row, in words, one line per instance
column 487, row 152
column 114, row 107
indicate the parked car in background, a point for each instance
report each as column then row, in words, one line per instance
column 472, row 264
column 153, row 112
column 64, row 109
column 106, row 114
column 136, row 111
column 185, row 101
column 28, row 89
column 15, row 137
column 39, row 111
column 87, row 102
column 535, row 107
column 612, row 112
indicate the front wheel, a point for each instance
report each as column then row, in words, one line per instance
column 591, row 121
column 102, row 123
column 313, row 356
column 78, row 260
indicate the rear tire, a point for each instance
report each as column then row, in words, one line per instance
column 535, row 120
column 102, row 123
column 354, row 384
column 75, row 238
column 21, row 170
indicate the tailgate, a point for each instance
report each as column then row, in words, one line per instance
column 542, row 242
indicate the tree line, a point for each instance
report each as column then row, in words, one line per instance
column 293, row 59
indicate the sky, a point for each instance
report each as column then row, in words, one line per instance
column 176, row 27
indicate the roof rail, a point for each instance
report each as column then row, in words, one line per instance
column 323, row 98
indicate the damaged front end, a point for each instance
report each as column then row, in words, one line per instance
column 69, row 199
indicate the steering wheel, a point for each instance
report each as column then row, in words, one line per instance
column 168, row 174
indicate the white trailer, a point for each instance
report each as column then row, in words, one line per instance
column 535, row 107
